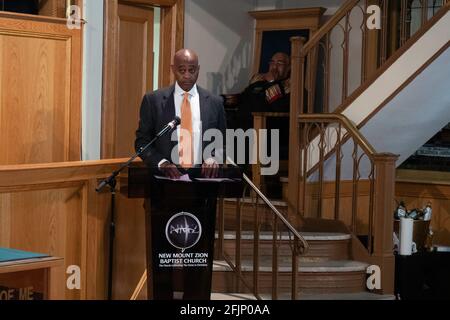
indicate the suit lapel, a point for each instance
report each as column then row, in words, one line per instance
column 168, row 110
column 203, row 98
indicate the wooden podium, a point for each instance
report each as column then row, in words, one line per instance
column 29, row 276
column 180, row 229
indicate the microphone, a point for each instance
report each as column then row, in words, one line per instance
column 111, row 179
column 171, row 125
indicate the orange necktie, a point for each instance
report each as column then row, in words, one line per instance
column 186, row 148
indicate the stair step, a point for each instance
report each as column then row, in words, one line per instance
column 308, row 236
column 323, row 266
column 364, row 295
column 322, row 245
column 248, row 212
column 319, row 277
column 232, row 296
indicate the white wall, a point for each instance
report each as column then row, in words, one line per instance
column 221, row 32
column 92, row 79
column 156, row 40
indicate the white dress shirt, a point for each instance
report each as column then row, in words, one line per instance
column 194, row 100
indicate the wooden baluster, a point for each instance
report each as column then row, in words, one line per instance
column 355, row 186
column 256, row 251
column 338, row 173
column 221, row 227
column 403, row 22
column 345, row 57
column 373, row 43
column 424, row 12
column 294, row 269
column 238, row 243
column 364, row 46
column 384, row 32
column 321, row 168
column 275, row 259
column 371, row 206
column 296, row 108
column 309, row 81
column 327, row 74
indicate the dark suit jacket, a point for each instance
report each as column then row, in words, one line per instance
column 158, row 109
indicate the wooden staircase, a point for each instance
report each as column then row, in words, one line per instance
column 326, row 271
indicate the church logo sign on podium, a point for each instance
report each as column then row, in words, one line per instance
column 183, row 231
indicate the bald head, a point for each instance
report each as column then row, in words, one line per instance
column 185, row 55
column 280, row 66
column 185, row 68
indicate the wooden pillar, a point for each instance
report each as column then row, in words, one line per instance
column 296, row 108
column 259, row 123
column 384, row 219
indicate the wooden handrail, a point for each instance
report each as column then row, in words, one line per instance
column 351, row 128
column 330, row 24
column 297, row 235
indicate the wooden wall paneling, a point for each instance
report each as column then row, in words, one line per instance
column 53, row 208
column 416, row 189
column 46, row 221
column 98, row 217
column 172, row 39
column 345, row 204
column 130, row 249
column 40, row 90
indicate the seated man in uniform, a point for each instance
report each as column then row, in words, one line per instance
column 269, row 92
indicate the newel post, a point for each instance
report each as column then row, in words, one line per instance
column 383, row 220
column 296, row 108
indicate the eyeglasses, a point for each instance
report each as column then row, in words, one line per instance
column 278, row 63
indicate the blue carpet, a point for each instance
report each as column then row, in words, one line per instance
column 7, row 255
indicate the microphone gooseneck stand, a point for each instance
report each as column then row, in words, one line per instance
column 111, row 182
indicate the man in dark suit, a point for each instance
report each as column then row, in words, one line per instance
column 160, row 107
column 199, row 111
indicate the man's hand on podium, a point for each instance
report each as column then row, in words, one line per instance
column 210, row 169
column 170, row 170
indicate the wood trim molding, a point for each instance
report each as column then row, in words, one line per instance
column 290, row 19
column 172, row 39
column 110, row 78
column 288, row 13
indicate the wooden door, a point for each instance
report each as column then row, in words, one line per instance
column 135, row 72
